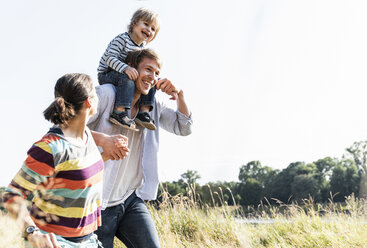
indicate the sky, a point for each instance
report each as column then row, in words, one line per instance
column 275, row 81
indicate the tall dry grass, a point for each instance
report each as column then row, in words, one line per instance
column 182, row 221
column 10, row 232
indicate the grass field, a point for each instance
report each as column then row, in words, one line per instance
column 182, row 222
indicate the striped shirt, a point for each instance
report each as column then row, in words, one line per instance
column 66, row 181
column 115, row 55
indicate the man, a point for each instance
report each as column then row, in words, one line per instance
column 129, row 181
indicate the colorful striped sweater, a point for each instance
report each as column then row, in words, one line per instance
column 66, row 180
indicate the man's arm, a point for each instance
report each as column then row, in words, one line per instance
column 181, row 104
column 114, row 146
column 167, row 87
column 178, row 122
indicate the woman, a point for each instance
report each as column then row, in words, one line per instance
column 63, row 172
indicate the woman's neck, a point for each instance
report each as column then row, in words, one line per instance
column 76, row 128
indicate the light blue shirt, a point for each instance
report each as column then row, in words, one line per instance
column 164, row 117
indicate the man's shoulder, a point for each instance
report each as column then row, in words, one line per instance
column 106, row 94
column 105, row 90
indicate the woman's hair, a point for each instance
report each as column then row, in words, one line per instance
column 146, row 15
column 71, row 90
column 134, row 58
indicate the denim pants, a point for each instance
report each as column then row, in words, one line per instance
column 125, row 89
column 131, row 223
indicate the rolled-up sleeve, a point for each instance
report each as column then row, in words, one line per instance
column 174, row 121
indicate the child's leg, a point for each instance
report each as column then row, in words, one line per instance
column 111, row 77
column 125, row 89
column 145, row 106
column 147, row 101
column 124, row 93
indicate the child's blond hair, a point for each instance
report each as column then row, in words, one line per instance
column 147, row 15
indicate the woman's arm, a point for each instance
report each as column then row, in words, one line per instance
column 114, row 146
column 38, row 166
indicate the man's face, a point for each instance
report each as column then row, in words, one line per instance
column 148, row 70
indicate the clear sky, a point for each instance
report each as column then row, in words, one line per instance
column 276, row 81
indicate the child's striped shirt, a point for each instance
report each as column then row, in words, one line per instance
column 115, row 55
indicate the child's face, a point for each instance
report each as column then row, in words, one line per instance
column 143, row 32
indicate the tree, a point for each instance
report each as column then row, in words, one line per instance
column 305, row 186
column 254, row 170
column 218, row 193
column 345, row 180
column 288, row 183
column 358, row 152
column 325, row 168
column 255, row 182
column 190, row 176
column 251, row 192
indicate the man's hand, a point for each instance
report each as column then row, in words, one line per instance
column 115, row 147
column 40, row 240
column 167, row 87
column 132, row 73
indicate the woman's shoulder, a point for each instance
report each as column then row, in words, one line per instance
column 49, row 141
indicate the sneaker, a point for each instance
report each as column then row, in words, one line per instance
column 122, row 120
column 143, row 119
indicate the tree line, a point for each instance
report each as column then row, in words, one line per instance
column 322, row 180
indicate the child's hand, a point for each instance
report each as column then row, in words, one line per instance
column 132, row 73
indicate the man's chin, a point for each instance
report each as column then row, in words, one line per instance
column 145, row 92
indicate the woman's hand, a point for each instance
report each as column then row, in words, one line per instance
column 40, row 240
column 115, row 147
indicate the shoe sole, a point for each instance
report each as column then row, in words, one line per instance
column 148, row 125
column 112, row 120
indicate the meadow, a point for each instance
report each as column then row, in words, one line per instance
column 183, row 222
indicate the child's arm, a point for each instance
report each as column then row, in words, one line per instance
column 115, row 49
column 132, row 73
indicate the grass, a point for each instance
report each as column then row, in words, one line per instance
column 310, row 225
column 10, row 232
column 182, row 221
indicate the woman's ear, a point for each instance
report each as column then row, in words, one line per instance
column 88, row 102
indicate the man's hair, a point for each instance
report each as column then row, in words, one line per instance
column 134, row 58
column 147, row 15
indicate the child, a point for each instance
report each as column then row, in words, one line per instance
column 143, row 28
